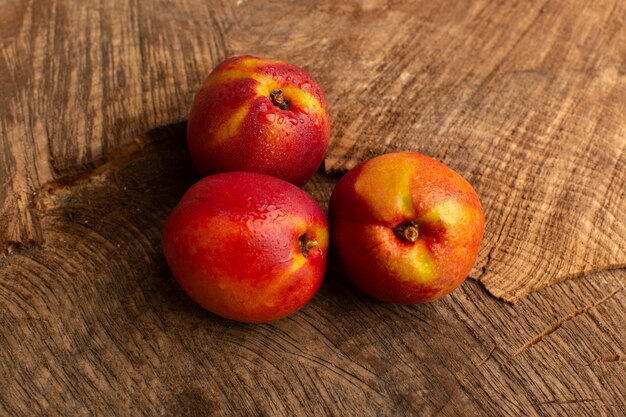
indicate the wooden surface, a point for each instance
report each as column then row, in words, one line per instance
column 96, row 326
column 525, row 99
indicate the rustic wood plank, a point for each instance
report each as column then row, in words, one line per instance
column 92, row 323
column 526, row 99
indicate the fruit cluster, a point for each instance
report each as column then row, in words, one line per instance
column 247, row 244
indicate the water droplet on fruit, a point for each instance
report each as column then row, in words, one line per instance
column 294, row 121
column 301, row 121
column 270, row 117
column 281, row 119
column 263, row 107
column 306, row 110
column 305, row 86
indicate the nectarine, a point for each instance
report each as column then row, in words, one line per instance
column 247, row 246
column 254, row 114
column 406, row 228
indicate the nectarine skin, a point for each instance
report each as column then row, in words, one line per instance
column 254, row 114
column 247, row 246
column 406, row 228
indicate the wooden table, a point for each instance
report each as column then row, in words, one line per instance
column 526, row 99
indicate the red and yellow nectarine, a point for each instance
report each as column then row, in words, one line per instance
column 406, row 228
column 247, row 246
column 254, row 114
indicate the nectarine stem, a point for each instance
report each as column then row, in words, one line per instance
column 306, row 245
column 279, row 100
column 408, row 231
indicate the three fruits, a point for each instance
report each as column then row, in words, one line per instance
column 248, row 245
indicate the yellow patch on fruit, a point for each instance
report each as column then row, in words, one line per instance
column 415, row 265
column 408, row 262
column 230, row 127
column 223, row 77
column 321, row 235
column 251, row 63
column 265, row 85
column 270, row 293
column 294, row 95
column 447, row 213
column 302, row 99
column 298, row 262
column 386, row 187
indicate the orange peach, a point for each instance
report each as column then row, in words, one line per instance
column 254, row 114
column 406, row 228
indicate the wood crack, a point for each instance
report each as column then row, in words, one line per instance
column 572, row 401
column 577, row 401
column 51, row 194
column 486, row 358
column 608, row 359
column 555, row 326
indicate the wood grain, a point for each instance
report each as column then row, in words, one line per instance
column 80, row 79
column 525, row 99
column 92, row 323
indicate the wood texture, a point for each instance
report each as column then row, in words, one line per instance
column 525, row 99
column 95, row 325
